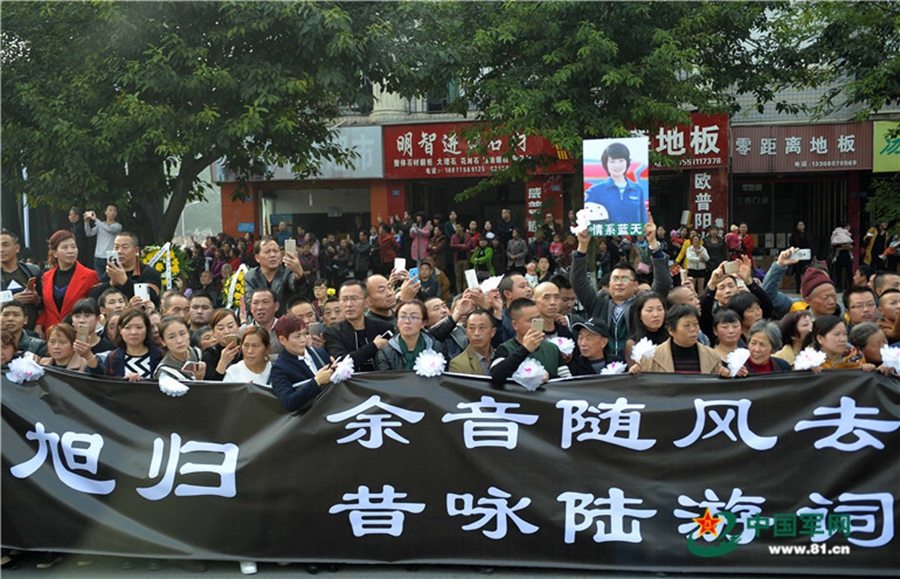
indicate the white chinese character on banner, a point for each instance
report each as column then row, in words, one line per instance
column 767, row 146
column 534, row 192
column 792, row 145
column 723, row 424
column 742, row 507
column 703, row 200
column 702, row 220
column 405, row 144
column 376, row 513
column 701, row 181
column 705, row 140
column 495, row 506
column 376, row 425
column 225, row 470
column 427, row 142
column 624, row 423
column 80, row 451
column 818, row 145
column 616, row 509
column 671, row 141
column 847, row 143
column 451, row 144
column 846, row 424
column 862, row 510
column 743, row 145
column 720, row 223
column 488, row 424
column 495, row 145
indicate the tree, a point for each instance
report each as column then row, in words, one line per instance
column 575, row 70
column 130, row 101
column 852, row 48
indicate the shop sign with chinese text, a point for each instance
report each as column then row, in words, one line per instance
column 700, row 145
column 802, row 148
column 439, row 150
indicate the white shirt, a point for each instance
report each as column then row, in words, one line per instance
column 240, row 373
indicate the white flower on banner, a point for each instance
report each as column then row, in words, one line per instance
column 530, row 374
column 582, row 221
column 24, row 369
column 736, row 360
column 170, row 386
column 809, row 358
column 429, row 364
column 644, row 347
column 491, row 283
column 890, row 357
column 614, row 368
column 343, row 370
column 565, row 345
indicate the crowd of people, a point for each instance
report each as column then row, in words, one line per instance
column 310, row 303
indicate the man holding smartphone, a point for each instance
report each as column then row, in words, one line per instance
column 528, row 343
column 128, row 271
column 282, row 274
column 105, row 232
column 17, row 276
column 615, row 305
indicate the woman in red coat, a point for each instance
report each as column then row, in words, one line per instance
column 388, row 247
column 65, row 283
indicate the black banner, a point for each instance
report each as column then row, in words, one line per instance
column 792, row 473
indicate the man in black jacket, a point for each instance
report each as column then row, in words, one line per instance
column 358, row 335
column 129, row 270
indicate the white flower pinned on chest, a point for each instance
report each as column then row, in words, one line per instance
column 736, row 360
column 808, row 359
column 565, row 345
column 24, row 369
column 170, row 386
column 890, row 357
column 530, row 374
column 614, row 368
column 429, row 364
column 343, row 371
column 644, row 347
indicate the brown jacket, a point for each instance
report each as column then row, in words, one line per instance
column 661, row 361
column 467, row 363
column 76, row 364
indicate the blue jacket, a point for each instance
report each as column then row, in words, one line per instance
column 623, row 206
column 292, row 380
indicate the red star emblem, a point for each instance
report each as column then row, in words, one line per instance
column 708, row 524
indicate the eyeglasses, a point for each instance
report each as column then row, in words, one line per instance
column 865, row 306
column 410, row 318
column 617, row 279
column 350, row 299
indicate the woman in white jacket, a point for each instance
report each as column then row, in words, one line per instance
column 696, row 257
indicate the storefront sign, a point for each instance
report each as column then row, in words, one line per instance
column 439, row 150
column 543, row 195
column 709, row 198
column 802, row 148
column 886, row 150
column 702, row 144
column 369, row 164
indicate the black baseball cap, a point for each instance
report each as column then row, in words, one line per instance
column 595, row 326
